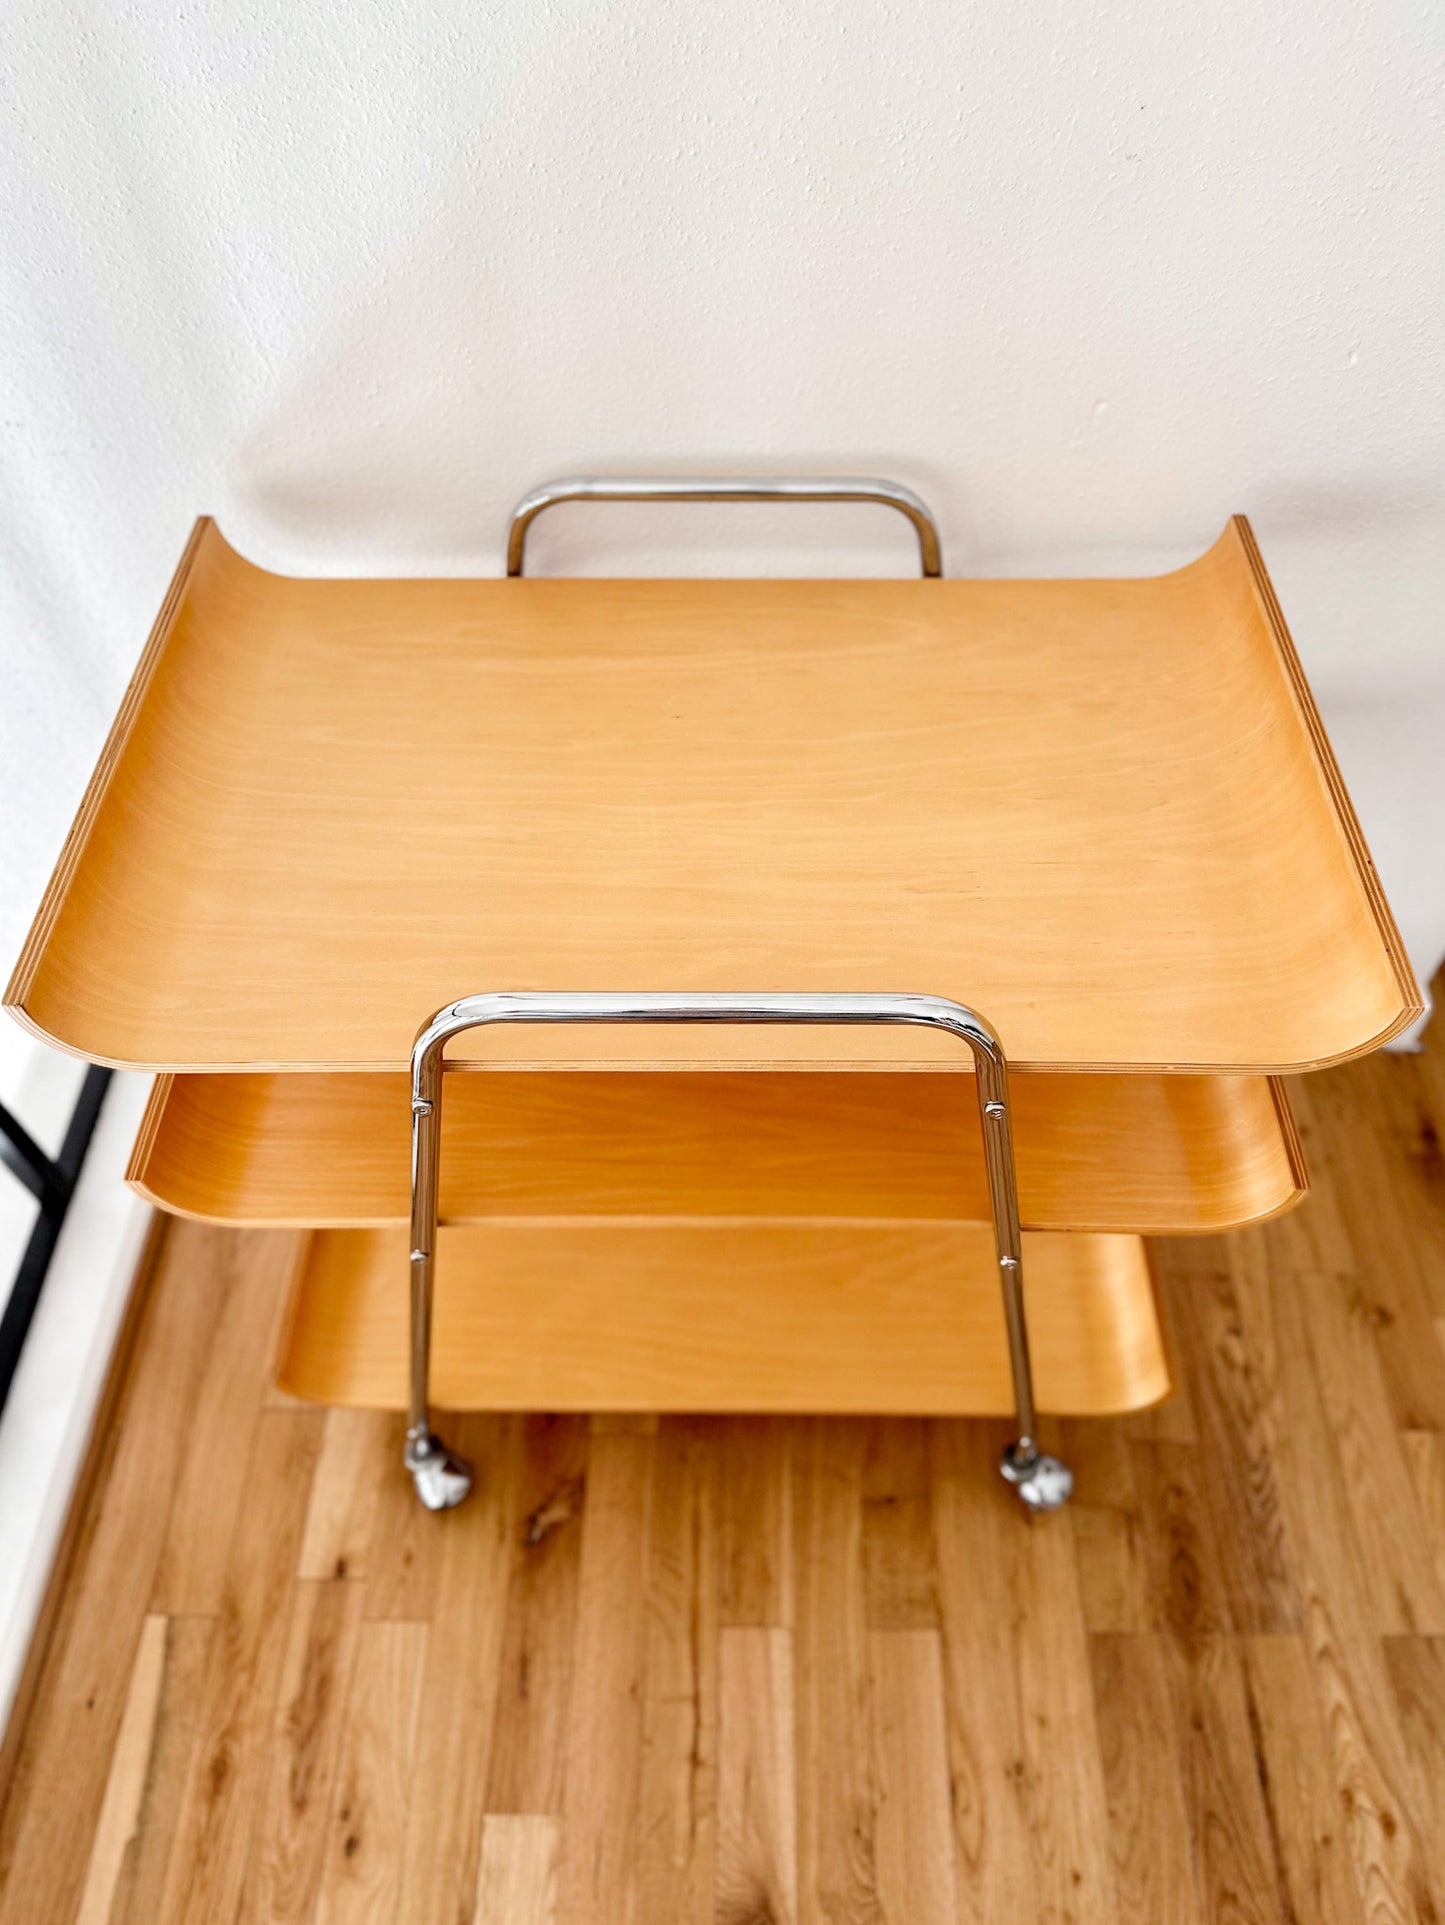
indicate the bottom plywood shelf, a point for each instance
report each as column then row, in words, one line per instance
column 879, row 1318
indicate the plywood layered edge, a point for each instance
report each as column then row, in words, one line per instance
column 899, row 1319
column 28, row 962
column 1152, row 1155
column 1334, row 782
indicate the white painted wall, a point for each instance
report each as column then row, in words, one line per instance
column 353, row 276
column 1091, row 276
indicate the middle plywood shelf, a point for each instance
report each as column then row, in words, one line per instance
column 1143, row 1154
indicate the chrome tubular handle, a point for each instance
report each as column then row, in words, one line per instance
column 888, row 494
column 1042, row 1482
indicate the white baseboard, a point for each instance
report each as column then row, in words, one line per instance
column 47, row 1419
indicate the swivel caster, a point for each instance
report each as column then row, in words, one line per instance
column 1042, row 1482
column 442, row 1479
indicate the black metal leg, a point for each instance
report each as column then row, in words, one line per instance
column 51, row 1181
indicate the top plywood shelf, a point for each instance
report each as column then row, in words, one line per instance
column 1103, row 813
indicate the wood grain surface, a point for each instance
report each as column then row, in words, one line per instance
column 721, row 1671
column 726, row 1317
column 1153, row 1154
column 1103, row 813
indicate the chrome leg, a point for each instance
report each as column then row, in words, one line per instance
column 1042, row 1482
column 442, row 1478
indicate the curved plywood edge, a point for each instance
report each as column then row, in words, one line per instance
column 296, row 847
column 1290, row 1136
column 889, row 1320
column 18, row 989
column 1153, row 1155
column 1412, row 1000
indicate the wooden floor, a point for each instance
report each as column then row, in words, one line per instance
column 780, row 1672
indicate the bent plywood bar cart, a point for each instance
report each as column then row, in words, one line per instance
column 698, row 887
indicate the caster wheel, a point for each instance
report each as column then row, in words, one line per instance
column 442, row 1479
column 1041, row 1481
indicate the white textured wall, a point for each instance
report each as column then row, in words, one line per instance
column 1091, row 276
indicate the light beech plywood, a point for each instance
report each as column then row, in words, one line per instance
column 1103, row 813
column 738, row 1317
column 1149, row 1154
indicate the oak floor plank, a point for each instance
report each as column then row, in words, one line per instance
column 755, row 1492
column 345, row 1492
column 120, row 1811
column 599, row 1833
column 1029, row 1799
column 363, row 1841
column 404, row 1547
column 1150, row 1845
column 1173, row 1420
column 1106, row 1519
column 209, row 1858
column 139, row 1889
column 1416, row 1670
column 1425, row 1455
column 1411, row 1105
column 1302, row 1803
column 56, row 1791
column 1318, row 1236
column 1331, row 1568
column 1239, row 1416
column 673, row 1877
column 899, row 1568
column 916, row 1879
column 529, row 1757
column 987, row 1741
column 837, row 1844
column 447, row 1784
column 1372, row 1774
column 1109, row 1552
column 1406, row 1589
column 517, row 1883
column 1370, row 1152
column 247, row 1280
column 1394, row 1300
column 286, row 1852
column 756, row 1874
column 1235, row 1869
column 1186, row 1581
column 1063, row 1778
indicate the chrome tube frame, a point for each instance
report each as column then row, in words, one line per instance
column 441, row 1478
column 887, row 494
